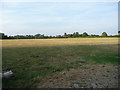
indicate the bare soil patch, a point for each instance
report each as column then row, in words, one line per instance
column 91, row 76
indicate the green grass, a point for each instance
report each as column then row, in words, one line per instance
column 28, row 63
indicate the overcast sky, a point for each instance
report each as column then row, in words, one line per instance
column 54, row 18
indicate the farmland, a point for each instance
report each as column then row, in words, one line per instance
column 58, row 42
column 33, row 60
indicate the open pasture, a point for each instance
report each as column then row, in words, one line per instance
column 32, row 59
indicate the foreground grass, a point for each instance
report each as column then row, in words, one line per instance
column 28, row 63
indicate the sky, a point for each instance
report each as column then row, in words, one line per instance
column 56, row 18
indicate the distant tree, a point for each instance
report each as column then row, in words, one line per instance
column 80, row 35
column 59, row 36
column 38, row 36
column 50, row 36
column 104, row 34
column 84, row 34
column 74, row 34
column 1, row 35
column 41, row 36
column 11, row 37
column 118, row 32
column 65, row 35
column 77, row 34
column 70, row 35
column 93, row 35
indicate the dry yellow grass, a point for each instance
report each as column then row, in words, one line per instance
column 57, row 42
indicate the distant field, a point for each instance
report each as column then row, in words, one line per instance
column 33, row 58
column 56, row 42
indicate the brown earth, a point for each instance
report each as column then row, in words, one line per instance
column 90, row 76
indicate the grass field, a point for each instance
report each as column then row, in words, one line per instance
column 30, row 59
column 58, row 42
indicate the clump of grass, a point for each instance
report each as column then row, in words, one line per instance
column 106, row 57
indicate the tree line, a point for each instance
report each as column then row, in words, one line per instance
column 42, row 36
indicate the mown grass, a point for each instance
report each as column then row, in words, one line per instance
column 27, row 63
